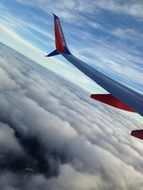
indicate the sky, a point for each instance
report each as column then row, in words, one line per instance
column 50, row 144
column 106, row 34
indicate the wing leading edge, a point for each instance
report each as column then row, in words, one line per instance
column 120, row 95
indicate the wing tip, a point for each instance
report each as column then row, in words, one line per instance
column 55, row 16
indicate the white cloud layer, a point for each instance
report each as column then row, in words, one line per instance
column 57, row 138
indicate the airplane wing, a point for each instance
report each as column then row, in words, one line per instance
column 120, row 96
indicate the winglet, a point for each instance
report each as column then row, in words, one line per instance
column 60, row 42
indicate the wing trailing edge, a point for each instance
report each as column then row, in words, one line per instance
column 137, row 133
column 112, row 101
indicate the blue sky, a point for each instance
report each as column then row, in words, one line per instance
column 107, row 34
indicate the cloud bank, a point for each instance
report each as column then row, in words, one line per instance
column 53, row 136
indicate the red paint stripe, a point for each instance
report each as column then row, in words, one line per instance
column 112, row 101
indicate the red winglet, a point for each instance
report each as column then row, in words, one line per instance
column 60, row 41
column 112, row 101
column 137, row 134
column 59, row 36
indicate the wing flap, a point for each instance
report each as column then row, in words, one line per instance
column 112, row 101
column 137, row 133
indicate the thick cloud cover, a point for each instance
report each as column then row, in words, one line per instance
column 53, row 136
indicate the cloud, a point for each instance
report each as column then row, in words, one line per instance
column 131, row 8
column 8, row 142
column 56, row 137
column 74, row 178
